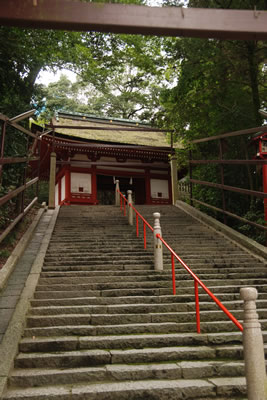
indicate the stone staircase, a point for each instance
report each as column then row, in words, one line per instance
column 104, row 325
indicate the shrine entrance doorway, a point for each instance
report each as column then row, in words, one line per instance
column 106, row 189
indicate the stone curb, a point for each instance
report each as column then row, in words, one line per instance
column 254, row 247
column 18, row 251
column 10, row 342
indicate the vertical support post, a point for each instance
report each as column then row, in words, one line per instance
column 130, row 210
column 67, row 185
column 52, row 180
column 253, row 347
column 222, row 180
column 2, row 146
column 59, row 190
column 174, row 180
column 191, row 177
column 197, row 306
column 158, row 252
column 137, row 225
column 94, row 185
column 117, row 195
column 38, row 168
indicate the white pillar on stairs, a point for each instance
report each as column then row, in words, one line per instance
column 117, row 195
column 253, row 347
column 158, row 253
column 130, row 210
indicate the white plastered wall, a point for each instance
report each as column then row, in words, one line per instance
column 79, row 180
column 63, row 188
column 56, row 195
column 159, row 188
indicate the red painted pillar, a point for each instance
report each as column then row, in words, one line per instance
column 94, row 185
column 67, row 185
column 59, row 190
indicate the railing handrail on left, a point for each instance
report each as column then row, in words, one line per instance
column 174, row 255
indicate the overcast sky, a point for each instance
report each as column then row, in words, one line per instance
column 46, row 77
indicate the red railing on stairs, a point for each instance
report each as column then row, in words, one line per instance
column 123, row 200
column 197, row 281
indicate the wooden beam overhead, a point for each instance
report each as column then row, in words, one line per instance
column 133, row 19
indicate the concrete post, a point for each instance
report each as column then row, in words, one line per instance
column 52, row 180
column 158, row 254
column 253, row 347
column 173, row 163
column 117, row 195
column 130, row 210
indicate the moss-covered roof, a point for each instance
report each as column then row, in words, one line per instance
column 135, row 137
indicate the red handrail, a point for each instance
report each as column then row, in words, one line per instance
column 138, row 215
column 197, row 281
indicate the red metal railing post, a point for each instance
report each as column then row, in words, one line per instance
column 137, row 225
column 144, row 226
column 197, row 306
column 173, row 275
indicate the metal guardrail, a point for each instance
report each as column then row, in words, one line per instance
column 174, row 255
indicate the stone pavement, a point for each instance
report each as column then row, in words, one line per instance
column 10, row 295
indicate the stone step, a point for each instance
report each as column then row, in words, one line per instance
column 104, row 325
column 139, row 308
column 157, row 328
column 186, row 283
column 74, row 249
column 85, row 358
column 126, row 277
column 138, row 292
column 105, row 256
column 99, row 267
column 90, row 261
column 117, row 267
column 123, row 372
column 136, row 390
column 68, row 343
column 152, row 274
column 80, row 301
column 107, row 319
column 111, row 250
